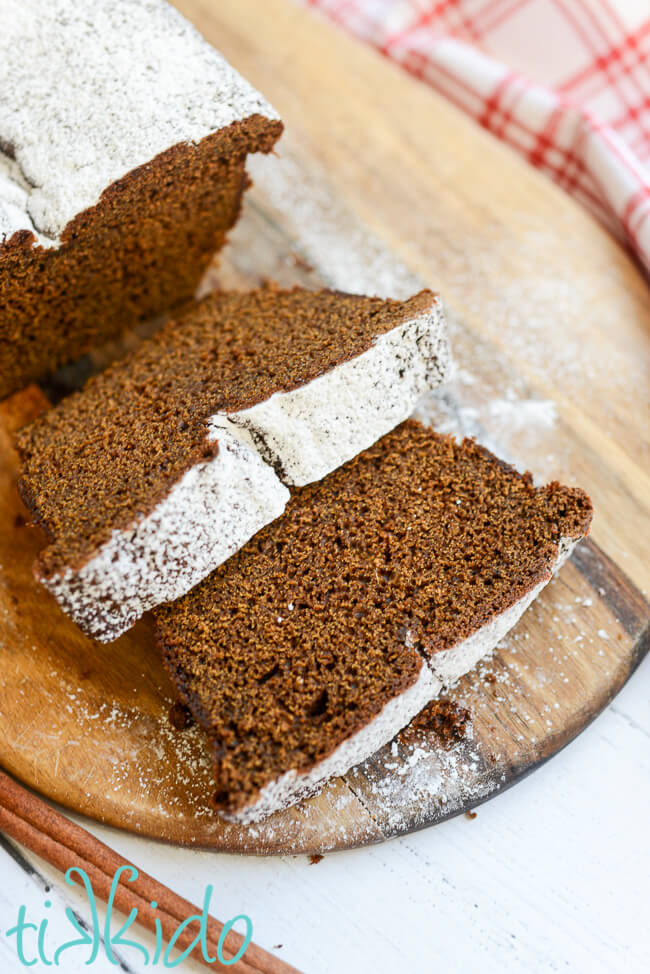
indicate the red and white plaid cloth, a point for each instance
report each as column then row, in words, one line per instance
column 565, row 82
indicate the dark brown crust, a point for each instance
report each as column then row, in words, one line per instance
column 402, row 553
column 113, row 451
column 141, row 250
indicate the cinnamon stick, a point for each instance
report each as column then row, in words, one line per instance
column 36, row 825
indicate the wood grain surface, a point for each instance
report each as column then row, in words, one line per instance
column 380, row 185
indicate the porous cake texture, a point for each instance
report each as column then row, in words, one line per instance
column 332, row 628
column 167, row 463
column 123, row 138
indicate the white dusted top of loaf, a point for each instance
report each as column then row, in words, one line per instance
column 90, row 89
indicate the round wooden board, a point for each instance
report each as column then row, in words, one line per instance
column 550, row 323
column 88, row 724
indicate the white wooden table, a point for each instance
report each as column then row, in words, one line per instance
column 553, row 875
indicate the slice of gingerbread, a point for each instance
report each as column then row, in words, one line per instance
column 167, row 463
column 324, row 636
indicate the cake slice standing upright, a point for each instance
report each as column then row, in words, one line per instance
column 167, row 463
column 387, row 581
column 123, row 139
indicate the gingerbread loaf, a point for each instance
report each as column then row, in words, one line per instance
column 123, row 139
column 333, row 627
column 167, row 463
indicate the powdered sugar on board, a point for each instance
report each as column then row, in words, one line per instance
column 412, row 780
column 518, row 428
column 345, row 254
column 336, row 250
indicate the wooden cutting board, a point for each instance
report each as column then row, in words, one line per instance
column 379, row 185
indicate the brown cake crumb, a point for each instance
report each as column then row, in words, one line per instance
column 298, row 641
column 446, row 719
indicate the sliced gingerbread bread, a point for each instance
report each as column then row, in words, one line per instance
column 123, row 138
column 323, row 637
column 168, row 462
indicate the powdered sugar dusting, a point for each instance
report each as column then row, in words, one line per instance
column 418, row 781
column 520, row 429
column 347, row 255
column 140, row 77
column 492, row 421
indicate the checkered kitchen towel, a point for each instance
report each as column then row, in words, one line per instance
column 565, row 82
